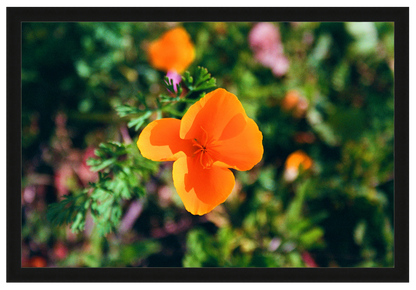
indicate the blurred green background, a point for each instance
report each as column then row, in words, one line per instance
column 334, row 101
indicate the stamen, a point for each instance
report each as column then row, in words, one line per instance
column 205, row 135
column 204, row 150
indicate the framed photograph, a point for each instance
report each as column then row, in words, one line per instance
column 207, row 144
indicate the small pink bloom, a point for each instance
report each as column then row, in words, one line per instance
column 309, row 261
column 83, row 170
column 264, row 36
column 60, row 250
column 281, row 66
column 266, row 44
column 61, row 178
column 175, row 77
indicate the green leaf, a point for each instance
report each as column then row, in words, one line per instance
column 202, row 80
column 133, row 253
column 79, row 222
column 126, row 110
column 71, row 209
column 311, row 237
column 187, row 79
column 138, row 122
column 211, row 83
column 103, row 164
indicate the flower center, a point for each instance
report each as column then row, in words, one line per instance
column 204, row 150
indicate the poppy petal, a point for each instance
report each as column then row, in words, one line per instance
column 172, row 51
column 243, row 151
column 201, row 189
column 219, row 113
column 160, row 141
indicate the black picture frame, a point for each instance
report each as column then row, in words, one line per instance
column 400, row 271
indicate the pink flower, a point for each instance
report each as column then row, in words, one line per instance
column 61, row 179
column 264, row 36
column 266, row 44
column 83, row 170
column 175, row 77
column 281, row 66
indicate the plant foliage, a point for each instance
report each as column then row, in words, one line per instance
column 90, row 85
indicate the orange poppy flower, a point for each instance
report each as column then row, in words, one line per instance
column 294, row 161
column 215, row 134
column 298, row 158
column 172, row 51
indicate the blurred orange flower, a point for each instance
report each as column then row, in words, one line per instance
column 214, row 134
column 37, row 262
column 294, row 101
column 290, row 100
column 173, row 51
column 294, row 161
column 298, row 158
